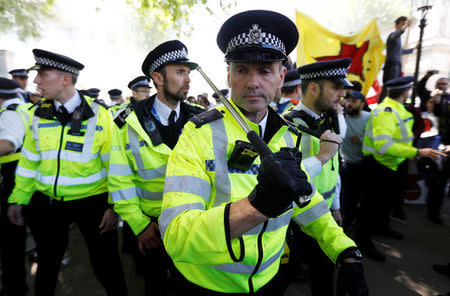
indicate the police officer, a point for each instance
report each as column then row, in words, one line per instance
column 140, row 88
column 322, row 85
column 64, row 162
column 21, row 76
column 387, row 144
column 225, row 214
column 291, row 92
column 13, row 120
column 115, row 95
column 93, row 92
column 143, row 138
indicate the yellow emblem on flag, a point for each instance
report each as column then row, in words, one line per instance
column 319, row 44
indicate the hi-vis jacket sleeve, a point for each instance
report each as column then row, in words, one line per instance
column 26, row 171
column 383, row 130
column 191, row 233
column 121, row 183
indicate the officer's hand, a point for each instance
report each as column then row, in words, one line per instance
column 150, row 238
column 430, row 153
column 351, row 280
column 15, row 214
column 108, row 222
column 280, row 182
column 329, row 145
column 337, row 216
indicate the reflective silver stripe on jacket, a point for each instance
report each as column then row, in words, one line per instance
column 64, row 180
column 288, row 139
column 30, row 155
column 243, row 268
column 133, row 139
column 272, row 225
column 188, row 184
column 120, row 169
column 311, row 214
column 23, row 172
column 123, row 194
column 169, row 214
column 152, row 174
column 222, row 180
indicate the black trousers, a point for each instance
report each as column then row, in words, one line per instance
column 321, row 268
column 49, row 221
column 381, row 189
column 12, row 240
column 352, row 178
column 436, row 178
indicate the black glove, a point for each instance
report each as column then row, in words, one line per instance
column 280, row 182
column 351, row 280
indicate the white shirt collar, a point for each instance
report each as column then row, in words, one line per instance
column 10, row 102
column 263, row 124
column 300, row 106
column 71, row 104
column 164, row 111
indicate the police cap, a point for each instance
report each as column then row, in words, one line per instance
column 115, row 93
column 292, row 78
column 93, row 92
column 257, row 35
column 400, row 83
column 19, row 73
column 169, row 52
column 8, row 88
column 49, row 60
column 335, row 70
column 139, row 81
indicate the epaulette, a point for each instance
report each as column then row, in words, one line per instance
column 121, row 116
column 387, row 109
column 12, row 107
column 293, row 129
column 101, row 103
column 206, row 117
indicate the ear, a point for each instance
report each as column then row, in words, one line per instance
column 314, row 89
column 67, row 79
column 158, row 78
column 283, row 72
column 228, row 76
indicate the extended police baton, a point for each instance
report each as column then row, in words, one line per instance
column 257, row 142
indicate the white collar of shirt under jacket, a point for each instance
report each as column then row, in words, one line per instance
column 301, row 106
column 164, row 111
column 71, row 104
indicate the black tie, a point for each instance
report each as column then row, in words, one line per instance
column 64, row 116
column 172, row 117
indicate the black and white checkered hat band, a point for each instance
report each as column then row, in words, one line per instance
column 292, row 83
column 331, row 73
column 400, row 86
column 265, row 38
column 8, row 91
column 140, row 83
column 171, row 56
column 57, row 65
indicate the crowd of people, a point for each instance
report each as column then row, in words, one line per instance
column 229, row 194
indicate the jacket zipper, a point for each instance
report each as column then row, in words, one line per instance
column 58, row 167
column 260, row 257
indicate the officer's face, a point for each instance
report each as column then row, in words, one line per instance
column 22, row 81
column 253, row 85
column 176, row 82
column 329, row 94
column 51, row 83
column 141, row 93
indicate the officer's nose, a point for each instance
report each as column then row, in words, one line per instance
column 253, row 80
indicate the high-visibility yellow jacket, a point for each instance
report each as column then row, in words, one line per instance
column 137, row 170
column 62, row 163
column 327, row 180
column 24, row 114
column 388, row 136
column 198, row 186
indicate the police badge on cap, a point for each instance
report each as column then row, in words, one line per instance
column 257, row 35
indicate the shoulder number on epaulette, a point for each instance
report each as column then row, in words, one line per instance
column 206, row 117
column 122, row 116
